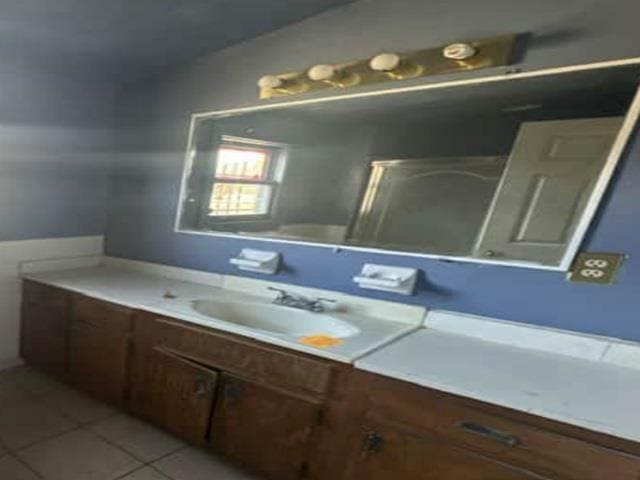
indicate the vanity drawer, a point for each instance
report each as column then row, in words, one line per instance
column 542, row 451
column 51, row 298
column 250, row 360
column 98, row 313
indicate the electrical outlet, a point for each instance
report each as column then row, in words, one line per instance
column 599, row 268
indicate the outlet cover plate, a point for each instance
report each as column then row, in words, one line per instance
column 596, row 267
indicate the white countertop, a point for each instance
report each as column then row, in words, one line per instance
column 595, row 395
column 145, row 292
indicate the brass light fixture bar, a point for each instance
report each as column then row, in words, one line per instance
column 389, row 66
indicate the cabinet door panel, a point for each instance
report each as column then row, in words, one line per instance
column 389, row 453
column 173, row 392
column 98, row 361
column 264, row 429
column 43, row 336
column 43, row 345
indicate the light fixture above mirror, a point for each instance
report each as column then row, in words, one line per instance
column 392, row 66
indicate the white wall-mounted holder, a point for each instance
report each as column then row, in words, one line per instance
column 388, row 279
column 259, row 261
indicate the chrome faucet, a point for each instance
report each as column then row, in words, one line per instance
column 288, row 299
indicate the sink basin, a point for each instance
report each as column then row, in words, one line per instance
column 275, row 319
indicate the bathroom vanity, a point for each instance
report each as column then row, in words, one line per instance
column 287, row 413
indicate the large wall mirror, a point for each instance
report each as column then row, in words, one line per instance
column 502, row 170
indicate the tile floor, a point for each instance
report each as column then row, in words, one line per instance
column 52, row 432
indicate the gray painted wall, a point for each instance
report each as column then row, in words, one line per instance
column 153, row 133
column 54, row 139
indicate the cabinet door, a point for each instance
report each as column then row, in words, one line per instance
column 549, row 178
column 173, row 392
column 265, row 429
column 98, row 361
column 45, row 317
column 389, row 453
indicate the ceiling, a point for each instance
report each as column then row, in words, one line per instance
column 125, row 39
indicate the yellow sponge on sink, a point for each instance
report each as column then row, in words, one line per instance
column 320, row 341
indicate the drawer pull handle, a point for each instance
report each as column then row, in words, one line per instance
column 489, row 433
column 201, row 389
column 371, row 443
column 231, row 390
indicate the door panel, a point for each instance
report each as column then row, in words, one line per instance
column 268, row 431
column 389, row 453
column 548, row 180
column 173, row 392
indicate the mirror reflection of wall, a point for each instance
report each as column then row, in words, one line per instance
column 500, row 170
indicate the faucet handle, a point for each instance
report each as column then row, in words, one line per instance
column 281, row 293
column 317, row 305
column 327, row 300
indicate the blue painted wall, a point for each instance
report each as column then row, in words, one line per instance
column 55, row 135
column 153, row 120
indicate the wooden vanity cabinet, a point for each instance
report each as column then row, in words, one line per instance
column 77, row 339
column 173, row 392
column 415, row 433
column 261, row 406
column 290, row 416
column 99, row 336
column 44, row 328
column 267, row 430
column 387, row 452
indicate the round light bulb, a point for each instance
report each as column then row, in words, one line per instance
column 321, row 72
column 270, row 81
column 459, row 51
column 385, row 62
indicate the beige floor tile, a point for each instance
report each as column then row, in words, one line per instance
column 194, row 464
column 78, row 455
column 142, row 440
column 10, row 392
column 9, row 373
column 25, row 423
column 79, row 406
column 12, row 469
column 146, row 473
column 32, row 381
